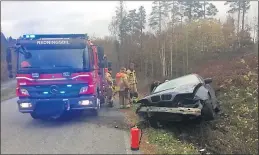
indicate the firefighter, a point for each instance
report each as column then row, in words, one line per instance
column 122, row 83
column 133, row 83
column 109, row 91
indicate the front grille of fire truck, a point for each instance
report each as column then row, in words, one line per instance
column 61, row 90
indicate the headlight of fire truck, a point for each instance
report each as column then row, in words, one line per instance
column 83, row 90
column 23, row 92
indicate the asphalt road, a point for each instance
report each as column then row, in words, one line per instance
column 8, row 84
column 82, row 135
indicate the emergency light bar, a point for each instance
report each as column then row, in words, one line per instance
column 41, row 36
column 53, row 44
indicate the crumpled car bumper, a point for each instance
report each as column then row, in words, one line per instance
column 179, row 110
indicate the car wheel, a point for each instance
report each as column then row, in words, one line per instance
column 154, row 123
column 207, row 112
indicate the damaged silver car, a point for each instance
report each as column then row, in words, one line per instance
column 187, row 97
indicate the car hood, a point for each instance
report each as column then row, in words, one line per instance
column 183, row 89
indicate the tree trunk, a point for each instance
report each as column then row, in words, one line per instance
column 176, row 55
column 121, row 32
column 243, row 16
column 238, row 22
column 172, row 41
column 204, row 11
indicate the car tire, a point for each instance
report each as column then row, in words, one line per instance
column 207, row 112
column 154, row 123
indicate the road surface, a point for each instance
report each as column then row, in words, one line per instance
column 80, row 135
column 8, row 84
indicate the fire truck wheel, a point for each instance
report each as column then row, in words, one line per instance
column 34, row 116
column 94, row 112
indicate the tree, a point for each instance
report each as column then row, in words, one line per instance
column 192, row 9
column 210, row 9
column 120, row 27
column 159, row 13
column 245, row 8
column 235, row 6
column 228, row 29
column 133, row 21
column 142, row 22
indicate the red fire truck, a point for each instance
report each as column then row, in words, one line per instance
column 56, row 74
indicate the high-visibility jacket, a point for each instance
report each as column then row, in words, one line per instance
column 109, row 79
column 132, row 77
column 122, row 81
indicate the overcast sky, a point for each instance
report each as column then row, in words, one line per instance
column 92, row 17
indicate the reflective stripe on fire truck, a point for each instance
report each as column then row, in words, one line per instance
column 51, row 78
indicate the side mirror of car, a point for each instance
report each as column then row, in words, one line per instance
column 208, row 80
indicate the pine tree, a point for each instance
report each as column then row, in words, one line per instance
column 245, row 8
column 133, row 21
column 192, row 9
column 142, row 21
column 209, row 9
column 159, row 13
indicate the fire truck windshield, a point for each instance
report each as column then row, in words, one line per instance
column 54, row 60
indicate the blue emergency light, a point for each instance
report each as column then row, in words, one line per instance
column 53, row 41
column 41, row 36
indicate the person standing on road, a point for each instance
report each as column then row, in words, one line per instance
column 122, row 83
column 132, row 82
column 109, row 81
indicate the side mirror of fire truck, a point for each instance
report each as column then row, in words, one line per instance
column 101, row 65
column 100, row 52
column 27, row 55
column 109, row 65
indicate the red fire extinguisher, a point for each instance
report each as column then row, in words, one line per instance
column 136, row 135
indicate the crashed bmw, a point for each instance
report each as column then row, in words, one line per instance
column 186, row 97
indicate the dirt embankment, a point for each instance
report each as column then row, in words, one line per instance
column 236, row 128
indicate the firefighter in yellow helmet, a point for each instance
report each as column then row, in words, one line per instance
column 109, row 85
column 132, row 83
column 122, row 83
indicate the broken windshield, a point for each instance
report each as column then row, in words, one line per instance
column 185, row 80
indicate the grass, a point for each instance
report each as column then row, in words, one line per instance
column 159, row 141
column 168, row 143
column 7, row 93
